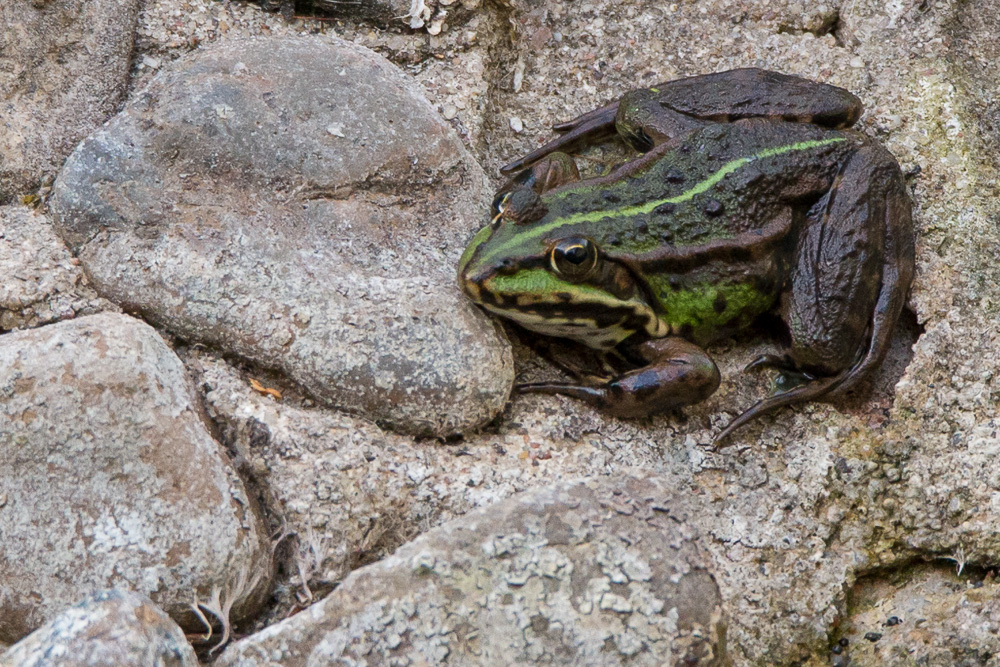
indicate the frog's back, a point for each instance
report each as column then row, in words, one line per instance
column 752, row 184
column 714, row 183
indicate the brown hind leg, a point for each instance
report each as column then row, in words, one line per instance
column 854, row 266
column 647, row 117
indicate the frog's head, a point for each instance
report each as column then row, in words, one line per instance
column 552, row 278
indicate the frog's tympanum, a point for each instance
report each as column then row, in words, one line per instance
column 751, row 197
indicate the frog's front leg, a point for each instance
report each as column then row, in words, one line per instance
column 678, row 373
column 517, row 200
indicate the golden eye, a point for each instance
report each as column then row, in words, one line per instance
column 574, row 258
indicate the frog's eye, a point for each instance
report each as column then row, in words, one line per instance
column 498, row 207
column 574, row 258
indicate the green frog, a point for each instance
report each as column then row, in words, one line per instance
column 751, row 196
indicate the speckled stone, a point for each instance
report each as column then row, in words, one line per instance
column 298, row 203
column 113, row 627
column 598, row 572
column 110, row 477
column 43, row 282
column 63, row 71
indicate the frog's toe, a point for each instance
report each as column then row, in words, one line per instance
column 802, row 388
column 778, row 362
column 788, row 380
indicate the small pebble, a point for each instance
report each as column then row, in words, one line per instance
column 873, row 636
column 516, row 124
column 892, row 620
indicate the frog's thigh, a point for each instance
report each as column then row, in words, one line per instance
column 757, row 93
column 644, row 122
column 838, row 272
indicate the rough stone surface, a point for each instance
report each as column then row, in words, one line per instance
column 577, row 573
column 269, row 198
column 42, row 283
column 63, row 71
column 110, row 478
column 113, row 627
column 434, row 16
column 814, row 497
column 350, row 492
column 806, row 502
column 941, row 614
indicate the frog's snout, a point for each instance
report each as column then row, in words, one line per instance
column 471, row 283
column 472, row 276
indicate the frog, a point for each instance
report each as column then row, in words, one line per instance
column 750, row 197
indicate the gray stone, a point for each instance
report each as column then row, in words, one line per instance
column 352, row 493
column 597, row 572
column 63, row 71
column 110, row 477
column 924, row 614
column 805, row 502
column 297, row 203
column 43, row 282
column 113, row 627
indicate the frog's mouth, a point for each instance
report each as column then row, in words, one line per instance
column 545, row 304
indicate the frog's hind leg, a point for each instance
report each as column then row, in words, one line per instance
column 648, row 117
column 854, row 266
column 756, row 93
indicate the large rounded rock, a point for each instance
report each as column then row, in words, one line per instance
column 297, row 203
column 109, row 477
column 599, row 572
column 63, row 71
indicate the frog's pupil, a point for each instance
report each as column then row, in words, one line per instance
column 576, row 254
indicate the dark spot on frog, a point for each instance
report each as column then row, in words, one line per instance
column 610, row 197
column 613, row 240
column 719, row 304
column 714, row 207
column 664, row 209
column 564, row 296
column 641, row 226
column 674, row 176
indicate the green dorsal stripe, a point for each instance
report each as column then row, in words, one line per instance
column 641, row 209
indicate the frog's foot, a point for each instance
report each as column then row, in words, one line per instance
column 679, row 373
column 586, row 367
column 790, row 388
column 582, row 131
column 779, row 362
column 550, row 172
